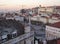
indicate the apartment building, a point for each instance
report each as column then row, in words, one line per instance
column 49, row 9
column 13, row 32
column 47, row 19
column 45, row 9
column 53, row 30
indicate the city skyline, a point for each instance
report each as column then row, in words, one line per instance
column 18, row 4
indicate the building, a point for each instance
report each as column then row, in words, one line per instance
column 55, row 16
column 13, row 32
column 10, row 29
column 53, row 33
column 45, row 10
column 53, row 30
column 49, row 9
column 35, row 10
column 39, row 31
column 18, row 18
column 46, row 19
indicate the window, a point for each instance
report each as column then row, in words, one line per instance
column 14, row 35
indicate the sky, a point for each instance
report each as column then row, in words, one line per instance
column 18, row 4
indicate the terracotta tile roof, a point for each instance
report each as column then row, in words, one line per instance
column 57, row 25
column 57, row 7
column 44, row 16
column 55, row 15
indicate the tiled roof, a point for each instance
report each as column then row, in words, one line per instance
column 55, row 15
column 44, row 16
column 57, row 25
column 57, row 7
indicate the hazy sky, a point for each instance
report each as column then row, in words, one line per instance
column 12, row 4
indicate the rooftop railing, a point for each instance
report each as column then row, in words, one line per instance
column 21, row 37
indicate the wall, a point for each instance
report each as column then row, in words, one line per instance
column 53, row 32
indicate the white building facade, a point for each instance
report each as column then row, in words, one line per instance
column 52, row 32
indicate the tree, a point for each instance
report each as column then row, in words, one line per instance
column 23, row 11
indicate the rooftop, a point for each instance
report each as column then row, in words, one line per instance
column 55, row 15
column 57, row 7
column 57, row 25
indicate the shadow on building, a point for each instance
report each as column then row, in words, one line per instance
column 10, row 29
